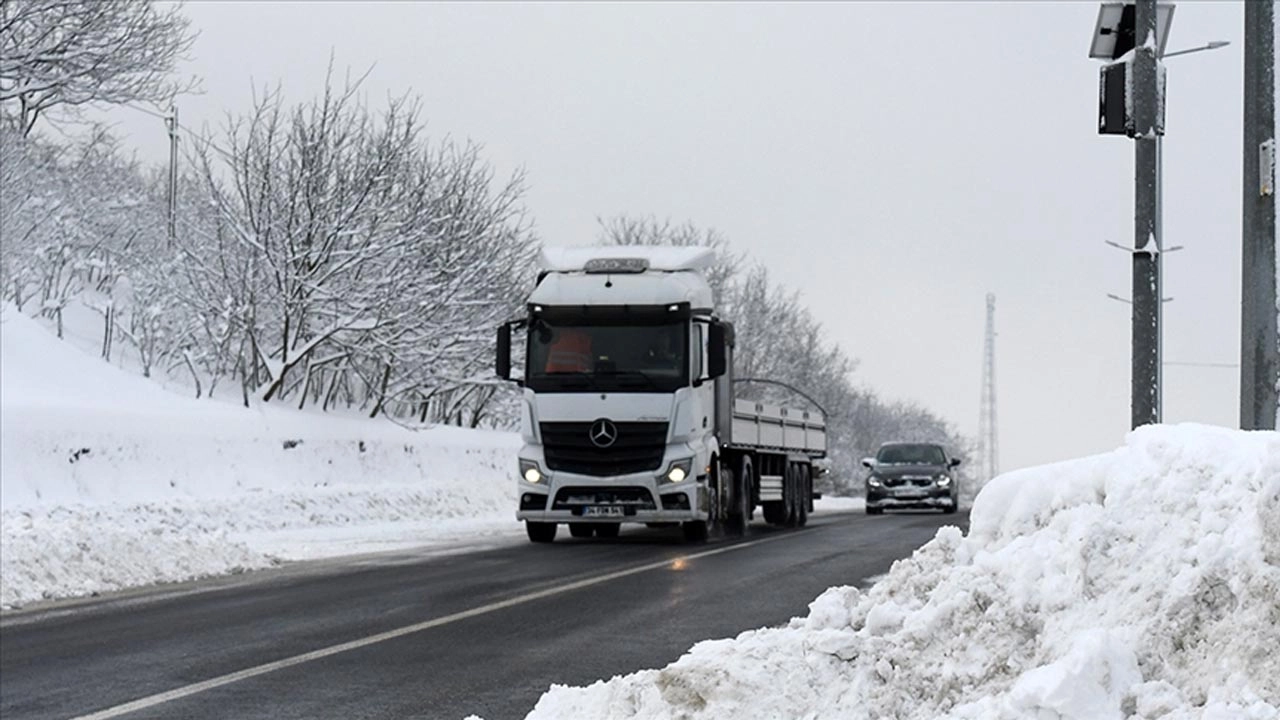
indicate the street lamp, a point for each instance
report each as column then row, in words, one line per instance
column 1132, row 37
column 1211, row 45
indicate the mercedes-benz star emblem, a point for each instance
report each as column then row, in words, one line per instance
column 603, row 433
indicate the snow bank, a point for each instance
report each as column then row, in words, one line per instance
column 108, row 481
column 1138, row 584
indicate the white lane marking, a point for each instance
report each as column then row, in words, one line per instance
column 188, row 690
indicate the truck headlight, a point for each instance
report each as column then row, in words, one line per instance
column 943, row 480
column 678, row 471
column 530, row 472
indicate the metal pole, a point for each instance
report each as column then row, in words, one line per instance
column 1259, row 353
column 1160, row 299
column 171, row 123
column 1145, row 377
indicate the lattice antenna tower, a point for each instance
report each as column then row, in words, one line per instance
column 988, row 446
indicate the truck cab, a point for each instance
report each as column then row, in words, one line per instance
column 621, row 357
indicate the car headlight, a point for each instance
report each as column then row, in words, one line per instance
column 874, row 481
column 530, row 472
column 943, row 480
column 678, row 471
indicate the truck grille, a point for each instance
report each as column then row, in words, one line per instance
column 638, row 448
column 629, row 498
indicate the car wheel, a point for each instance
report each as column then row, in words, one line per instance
column 874, row 510
column 540, row 532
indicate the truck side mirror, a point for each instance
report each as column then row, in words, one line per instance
column 717, row 357
column 502, row 364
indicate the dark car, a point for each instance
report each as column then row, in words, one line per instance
column 912, row 475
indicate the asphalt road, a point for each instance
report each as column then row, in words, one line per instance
column 484, row 632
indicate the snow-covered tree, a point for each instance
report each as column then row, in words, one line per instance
column 67, row 53
column 365, row 265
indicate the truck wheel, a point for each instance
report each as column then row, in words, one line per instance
column 608, row 530
column 740, row 510
column 581, row 530
column 775, row 513
column 540, row 532
column 790, row 491
column 804, row 496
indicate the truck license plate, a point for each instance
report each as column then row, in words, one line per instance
column 602, row 511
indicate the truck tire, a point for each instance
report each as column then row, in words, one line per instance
column 699, row 530
column 804, row 495
column 608, row 530
column 581, row 530
column 740, row 510
column 540, row 532
column 791, row 494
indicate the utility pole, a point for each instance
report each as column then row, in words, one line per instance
column 171, row 122
column 1144, row 84
column 988, row 450
column 1259, row 346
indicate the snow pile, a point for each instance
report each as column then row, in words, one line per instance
column 108, row 481
column 1142, row 583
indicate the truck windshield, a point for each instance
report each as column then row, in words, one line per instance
column 910, row 455
column 606, row 357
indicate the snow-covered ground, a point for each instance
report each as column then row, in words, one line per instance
column 108, row 481
column 1141, row 584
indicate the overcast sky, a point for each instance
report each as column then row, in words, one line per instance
column 894, row 161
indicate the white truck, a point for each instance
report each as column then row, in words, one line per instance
column 629, row 412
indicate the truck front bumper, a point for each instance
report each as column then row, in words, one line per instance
column 635, row 498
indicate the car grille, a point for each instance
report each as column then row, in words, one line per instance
column 638, row 448
column 908, row 481
column 570, row 498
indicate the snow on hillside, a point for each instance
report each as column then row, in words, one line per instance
column 109, row 481
column 1143, row 583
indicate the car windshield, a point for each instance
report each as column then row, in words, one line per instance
column 614, row 358
column 910, row 455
